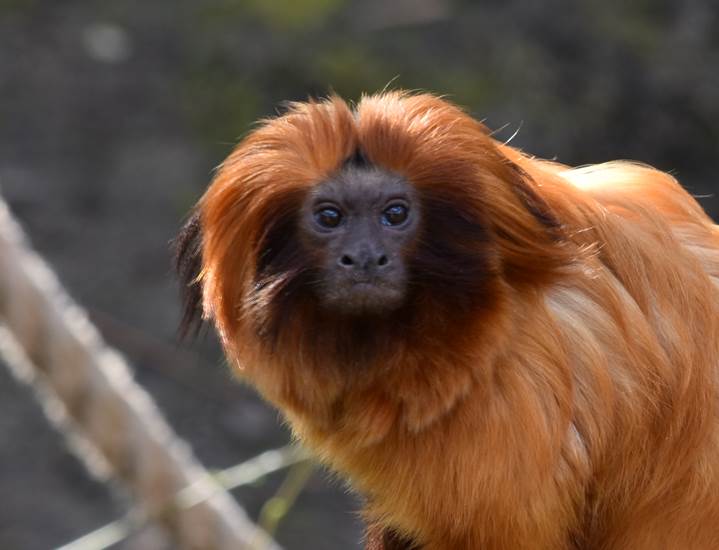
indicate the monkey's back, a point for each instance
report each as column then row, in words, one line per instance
column 642, row 327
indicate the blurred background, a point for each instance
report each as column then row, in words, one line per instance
column 113, row 115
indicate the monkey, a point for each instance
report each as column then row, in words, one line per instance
column 497, row 351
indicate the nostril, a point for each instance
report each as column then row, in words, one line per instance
column 346, row 260
column 382, row 260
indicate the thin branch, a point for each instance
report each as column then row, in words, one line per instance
column 245, row 473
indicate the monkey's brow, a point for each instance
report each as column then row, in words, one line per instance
column 357, row 186
column 363, row 195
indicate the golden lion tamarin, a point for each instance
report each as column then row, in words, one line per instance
column 498, row 352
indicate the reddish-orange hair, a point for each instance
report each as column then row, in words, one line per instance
column 552, row 381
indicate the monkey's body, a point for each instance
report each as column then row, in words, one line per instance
column 552, row 384
column 613, row 373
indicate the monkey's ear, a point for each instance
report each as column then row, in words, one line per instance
column 188, row 265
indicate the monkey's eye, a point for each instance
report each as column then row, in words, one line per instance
column 394, row 214
column 328, row 217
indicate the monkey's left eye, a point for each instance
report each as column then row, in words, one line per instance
column 395, row 214
column 328, row 217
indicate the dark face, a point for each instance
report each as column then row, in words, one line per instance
column 360, row 224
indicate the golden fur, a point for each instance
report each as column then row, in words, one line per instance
column 572, row 404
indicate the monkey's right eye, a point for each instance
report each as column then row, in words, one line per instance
column 328, row 217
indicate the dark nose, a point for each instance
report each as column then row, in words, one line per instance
column 363, row 260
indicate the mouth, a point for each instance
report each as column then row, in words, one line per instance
column 364, row 296
column 366, row 283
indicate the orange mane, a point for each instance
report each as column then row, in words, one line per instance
column 567, row 394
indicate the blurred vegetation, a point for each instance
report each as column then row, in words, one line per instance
column 589, row 80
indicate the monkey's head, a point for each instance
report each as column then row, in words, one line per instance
column 370, row 249
column 358, row 227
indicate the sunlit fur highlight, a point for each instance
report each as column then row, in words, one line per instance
column 570, row 403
